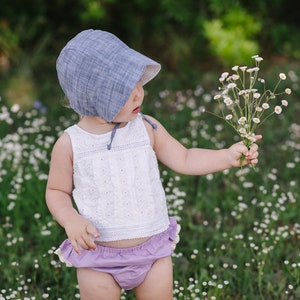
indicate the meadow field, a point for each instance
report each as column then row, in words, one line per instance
column 240, row 228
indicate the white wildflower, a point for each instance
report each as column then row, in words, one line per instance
column 242, row 120
column 284, row 102
column 231, row 85
column 228, row 101
column 242, row 131
column 251, row 137
column 15, row 108
column 224, row 75
column 235, row 77
column 265, row 106
column 251, row 70
column 278, row 109
column 257, row 58
column 288, row 91
column 282, row 76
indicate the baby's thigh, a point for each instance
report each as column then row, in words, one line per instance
column 158, row 284
column 94, row 285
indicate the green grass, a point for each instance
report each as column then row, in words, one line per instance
column 240, row 228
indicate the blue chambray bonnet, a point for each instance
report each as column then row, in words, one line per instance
column 98, row 72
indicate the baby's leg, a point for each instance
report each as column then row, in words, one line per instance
column 158, row 284
column 94, row 285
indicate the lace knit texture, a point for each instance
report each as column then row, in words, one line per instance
column 118, row 190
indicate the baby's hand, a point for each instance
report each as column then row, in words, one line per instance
column 81, row 233
column 239, row 149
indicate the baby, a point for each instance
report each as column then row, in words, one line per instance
column 119, row 235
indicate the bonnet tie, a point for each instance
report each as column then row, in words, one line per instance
column 154, row 126
column 113, row 133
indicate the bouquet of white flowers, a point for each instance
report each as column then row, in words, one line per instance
column 244, row 101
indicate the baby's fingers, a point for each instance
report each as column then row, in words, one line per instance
column 75, row 246
column 253, row 151
column 91, row 230
column 91, row 234
column 252, row 155
column 258, row 137
column 85, row 243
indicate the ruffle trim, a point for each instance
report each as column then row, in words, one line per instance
column 61, row 257
column 177, row 237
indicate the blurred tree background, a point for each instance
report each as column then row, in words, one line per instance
column 188, row 37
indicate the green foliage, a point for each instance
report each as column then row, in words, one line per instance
column 240, row 228
column 176, row 33
column 232, row 37
column 9, row 46
column 93, row 10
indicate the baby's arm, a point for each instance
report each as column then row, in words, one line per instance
column 198, row 161
column 59, row 201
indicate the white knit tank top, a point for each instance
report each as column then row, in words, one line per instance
column 118, row 190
